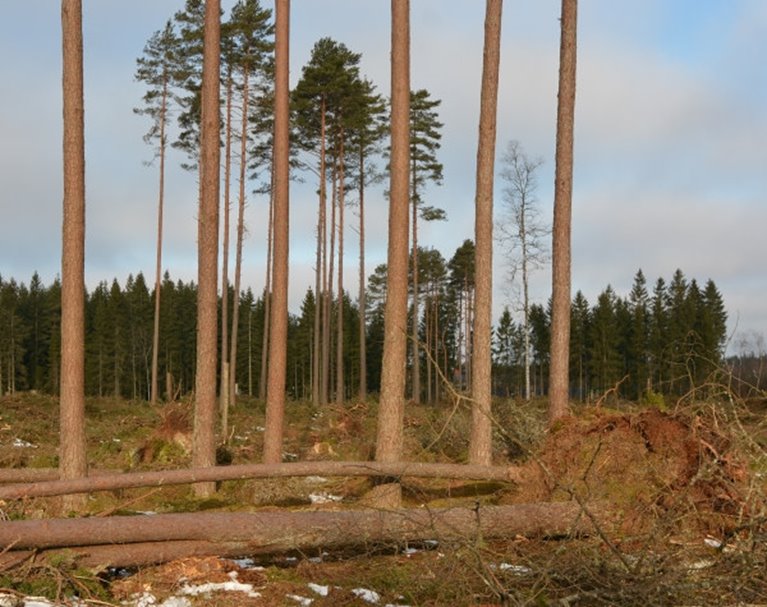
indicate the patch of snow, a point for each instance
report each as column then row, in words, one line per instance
column 712, row 542
column 318, row 559
column 260, row 429
column 7, row 600
column 301, row 600
column 247, row 563
column 321, row 590
column 704, row 564
column 176, row 601
column 289, row 457
column 315, row 480
column 516, row 569
column 225, row 586
column 323, row 497
column 145, row 599
column 369, row 596
column 35, row 601
column 22, row 444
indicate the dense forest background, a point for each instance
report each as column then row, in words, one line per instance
column 661, row 340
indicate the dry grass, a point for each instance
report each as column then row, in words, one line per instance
column 691, row 486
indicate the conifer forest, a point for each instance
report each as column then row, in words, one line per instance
column 653, row 336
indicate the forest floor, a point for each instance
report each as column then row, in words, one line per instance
column 688, row 486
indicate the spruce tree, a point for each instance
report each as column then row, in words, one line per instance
column 639, row 339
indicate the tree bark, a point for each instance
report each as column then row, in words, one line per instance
column 559, row 370
column 240, row 234
column 73, row 463
column 223, row 396
column 340, row 391
column 278, row 333
column 481, row 440
column 363, row 388
column 47, row 485
column 392, row 404
column 267, row 295
column 204, row 435
column 416, row 377
column 110, row 541
column 158, row 257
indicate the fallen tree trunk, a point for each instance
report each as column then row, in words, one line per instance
column 35, row 475
column 133, row 540
column 110, row 482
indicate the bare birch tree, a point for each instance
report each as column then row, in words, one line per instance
column 521, row 233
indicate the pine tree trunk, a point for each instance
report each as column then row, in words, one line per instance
column 275, row 394
column 322, row 302
column 204, row 435
column 158, row 266
column 240, row 235
column 224, row 374
column 327, row 320
column 392, row 405
column 416, row 381
column 481, row 441
column 73, row 462
column 563, row 190
column 340, row 315
column 267, row 295
column 363, row 389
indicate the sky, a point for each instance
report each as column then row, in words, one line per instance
column 670, row 125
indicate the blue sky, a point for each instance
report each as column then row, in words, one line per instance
column 671, row 120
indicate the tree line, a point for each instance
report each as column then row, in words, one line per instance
column 663, row 340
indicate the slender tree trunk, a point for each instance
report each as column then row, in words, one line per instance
column 322, row 302
column 275, row 394
column 328, row 334
column 316, row 345
column 19, row 484
column 363, row 390
column 481, row 441
column 340, row 315
column 224, row 375
column 563, row 193
column 240, row 235
column 158, row 266
column 204, row 435
column 427, row 340
column 392, row 406
column 250, row 350
column 525, row 297
column 416, row 382
column 73, row 462
column 267, row 295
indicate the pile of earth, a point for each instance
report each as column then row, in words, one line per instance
column 649, row 466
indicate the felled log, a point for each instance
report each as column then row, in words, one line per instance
column 110, row 482
column 132, row 540
column 35, row 475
